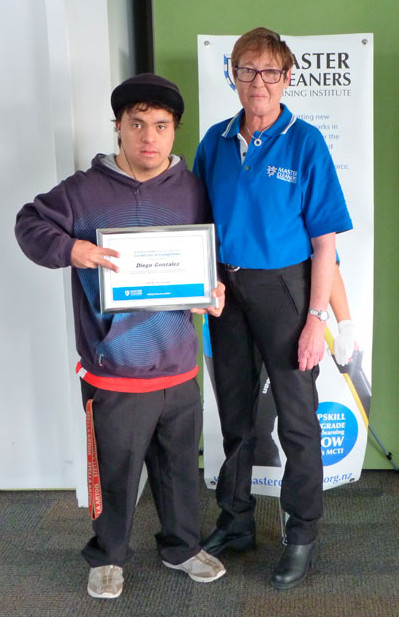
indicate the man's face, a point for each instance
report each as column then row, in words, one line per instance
column 258, row 98
column 146, row 140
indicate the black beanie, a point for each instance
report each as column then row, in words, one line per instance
column 147, row 88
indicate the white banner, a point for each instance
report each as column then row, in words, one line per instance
column 332, row 88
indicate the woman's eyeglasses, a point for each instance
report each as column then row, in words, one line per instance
column 269, row 76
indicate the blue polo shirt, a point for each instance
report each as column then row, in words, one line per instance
column 285, row 192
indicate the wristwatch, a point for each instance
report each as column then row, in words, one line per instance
column 322, row 315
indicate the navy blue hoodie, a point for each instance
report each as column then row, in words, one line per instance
column 139, row 344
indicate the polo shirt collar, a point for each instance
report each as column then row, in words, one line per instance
column 280, row 127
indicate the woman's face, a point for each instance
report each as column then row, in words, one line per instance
column 258, row 98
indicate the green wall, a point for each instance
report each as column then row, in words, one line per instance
column 176, row 25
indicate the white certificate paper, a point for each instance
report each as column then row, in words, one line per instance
column 160, row 268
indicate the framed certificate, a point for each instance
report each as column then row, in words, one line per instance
column 160, row 268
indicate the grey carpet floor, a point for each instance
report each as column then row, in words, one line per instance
column 356, row 574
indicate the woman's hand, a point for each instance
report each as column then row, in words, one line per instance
column 311, row 343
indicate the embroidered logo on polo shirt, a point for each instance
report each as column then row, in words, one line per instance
column 288, row 175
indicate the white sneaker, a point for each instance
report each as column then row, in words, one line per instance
column 203, row 568
column 105, row 582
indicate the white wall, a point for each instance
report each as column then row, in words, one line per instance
column 121, row 40
column 36, row 447
column 55, row 116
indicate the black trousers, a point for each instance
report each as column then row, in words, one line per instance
column 162, row 428
column 267, row 309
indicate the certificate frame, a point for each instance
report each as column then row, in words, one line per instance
column 169, row 267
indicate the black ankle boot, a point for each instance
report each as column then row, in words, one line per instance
column 221, row 539
column 294, row 565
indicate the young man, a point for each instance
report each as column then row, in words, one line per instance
column 137, row 369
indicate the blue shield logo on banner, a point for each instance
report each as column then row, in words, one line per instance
column 228, row 71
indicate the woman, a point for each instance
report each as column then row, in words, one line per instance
column 276, row 200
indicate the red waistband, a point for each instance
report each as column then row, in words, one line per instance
column 127, row 384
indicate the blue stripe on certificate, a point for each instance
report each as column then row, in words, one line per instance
column 161, row 291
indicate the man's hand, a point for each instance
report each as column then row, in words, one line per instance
column 311, row 343
column 84, row 254
column 215, row 311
